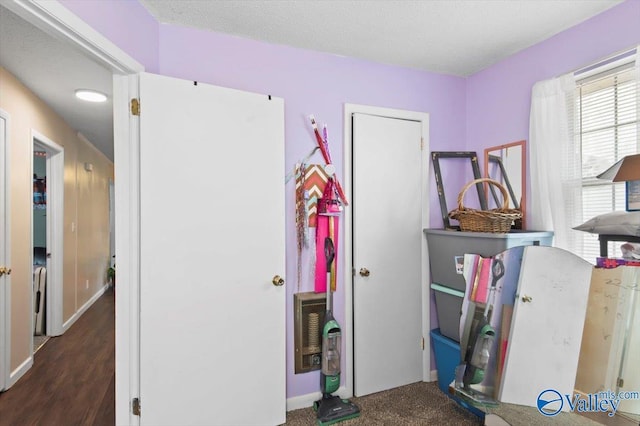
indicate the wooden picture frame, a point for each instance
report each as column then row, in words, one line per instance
column 514, row 180
column 436, row 156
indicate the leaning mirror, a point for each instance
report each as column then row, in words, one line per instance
column 506, row 164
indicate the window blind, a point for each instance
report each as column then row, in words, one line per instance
column 606, row 118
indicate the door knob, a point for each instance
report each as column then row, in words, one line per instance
column 4, row 271
column 364, row 272
column 526, row 298
column 278, row 281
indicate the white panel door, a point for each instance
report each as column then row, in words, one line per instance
column 387, row 241
column 212, row 323
column 546, row 330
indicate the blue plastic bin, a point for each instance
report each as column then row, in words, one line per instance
column 447, row 352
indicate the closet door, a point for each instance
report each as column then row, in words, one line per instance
column 546, row 331
column 212, row 311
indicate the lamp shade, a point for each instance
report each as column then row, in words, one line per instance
column 626, row 169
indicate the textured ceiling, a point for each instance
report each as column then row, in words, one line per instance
column 444, row 36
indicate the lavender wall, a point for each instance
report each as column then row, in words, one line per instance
column 126, row 23
column 499, row 97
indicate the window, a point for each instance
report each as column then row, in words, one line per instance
column 606, row 113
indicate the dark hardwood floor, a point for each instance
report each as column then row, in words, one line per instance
column 72, row 381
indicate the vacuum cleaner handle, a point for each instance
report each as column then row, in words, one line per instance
column 329, row 252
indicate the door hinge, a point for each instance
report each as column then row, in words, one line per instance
column 423, row 343
column 135, row 406
column 421, row 144
column 620, row 382
column 135, row 107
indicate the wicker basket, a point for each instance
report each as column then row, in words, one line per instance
column 495, row 220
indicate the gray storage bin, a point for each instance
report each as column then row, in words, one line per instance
column 445, row 246
column 448, row 309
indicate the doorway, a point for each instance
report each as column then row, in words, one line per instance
column 39, row 246
column 386, row 176
column 47, row 231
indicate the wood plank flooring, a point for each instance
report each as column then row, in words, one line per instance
column 72, row 381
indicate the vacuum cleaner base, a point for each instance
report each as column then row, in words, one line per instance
column 333, row 409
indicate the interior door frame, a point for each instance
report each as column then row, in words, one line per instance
column 349, row 110
column 5, row 253
column 55, row 233
column 56, row 20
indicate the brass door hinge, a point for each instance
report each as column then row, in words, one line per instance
column 135, row 406
column 423, row 343
column 421, row 144
column 135, row 107
column 620, row 382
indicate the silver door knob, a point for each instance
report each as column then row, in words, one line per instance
column 364, row 272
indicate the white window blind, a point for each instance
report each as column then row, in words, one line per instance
column 607, row 121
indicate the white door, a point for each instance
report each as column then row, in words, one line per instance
column 387, row 245
column 546, row 330
column 5, row 294
column 212, row 323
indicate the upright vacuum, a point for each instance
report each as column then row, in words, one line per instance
column 478, row 351
column 331, row 408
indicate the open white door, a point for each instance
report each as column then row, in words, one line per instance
column 387, row 252
column 546, row 329
column 212, row 322
column 5, row 279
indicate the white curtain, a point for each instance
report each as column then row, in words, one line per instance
column 556, row 193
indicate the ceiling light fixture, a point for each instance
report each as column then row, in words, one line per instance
column 90, row 95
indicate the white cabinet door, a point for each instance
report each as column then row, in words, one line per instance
column 212, row 323
column 546, row 331
column 387, row 241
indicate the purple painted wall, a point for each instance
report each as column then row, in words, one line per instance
column 499, row 97
column 489, row 108
column 126, row 23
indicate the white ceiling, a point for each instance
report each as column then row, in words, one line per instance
column 457, row 37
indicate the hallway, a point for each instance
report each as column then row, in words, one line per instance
column 72, row 381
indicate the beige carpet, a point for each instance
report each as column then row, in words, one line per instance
column 415, row 404
column 424, row 404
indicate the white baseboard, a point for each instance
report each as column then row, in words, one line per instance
column 434, row 375
column 302, row 401
column 20, row 371
column 305, row 401
column 84, row 308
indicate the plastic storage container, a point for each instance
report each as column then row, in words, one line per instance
column 447, row 353
column 448, row 309
column 445, row 246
